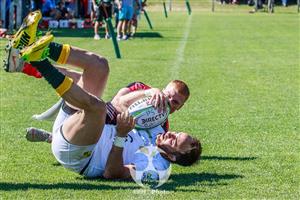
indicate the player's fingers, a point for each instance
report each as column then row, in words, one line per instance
column 152, row 99
column 156, row 103
column 161, row 103
column 127, row 117
column 123, row 116
column 166, row 103
column 118, row 117
column 132, row 122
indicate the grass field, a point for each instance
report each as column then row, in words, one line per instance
column 244, row 76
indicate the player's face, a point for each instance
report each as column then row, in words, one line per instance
column 172, row 142
column 176, row 99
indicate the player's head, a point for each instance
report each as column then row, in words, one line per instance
column 178, row 93
column 179, row 148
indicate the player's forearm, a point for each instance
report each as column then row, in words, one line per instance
column 114, row 168
column 126, row 100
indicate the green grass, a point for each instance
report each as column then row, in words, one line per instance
column 243, row 72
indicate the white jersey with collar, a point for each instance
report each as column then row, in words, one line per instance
column 135, row 140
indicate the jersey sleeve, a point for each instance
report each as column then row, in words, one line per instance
column 138, row 86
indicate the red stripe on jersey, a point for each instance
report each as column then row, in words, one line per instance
column 138, row 86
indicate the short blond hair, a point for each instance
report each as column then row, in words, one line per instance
column 182, row 87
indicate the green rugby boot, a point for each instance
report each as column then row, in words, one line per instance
column 26, row 34
column 38, row 50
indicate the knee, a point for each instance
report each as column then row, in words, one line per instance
column 100, row 64
column 103, row 64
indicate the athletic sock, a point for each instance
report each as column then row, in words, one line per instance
column 56, row 79
column 59, row 52
column 31, row 71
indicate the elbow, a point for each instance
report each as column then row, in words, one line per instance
column 109, row 175
column 123, row 103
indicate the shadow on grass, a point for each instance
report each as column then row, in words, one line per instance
column 74, row 33
column 227, row 158
column 4, row 186
column 148, row 35
column 196, row 179
column 176, row 180
column 56, row 164
column 89, row 33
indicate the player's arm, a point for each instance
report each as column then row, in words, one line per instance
column 115, row 168
column 125, row 98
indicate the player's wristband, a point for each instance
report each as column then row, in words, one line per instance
column 119, row 141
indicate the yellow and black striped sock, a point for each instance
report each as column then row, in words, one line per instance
column 56, row 79
column 59, row 52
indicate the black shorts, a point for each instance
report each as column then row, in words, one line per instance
column 104, row 11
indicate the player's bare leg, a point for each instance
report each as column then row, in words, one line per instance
column 84, row 127
column 95, row 70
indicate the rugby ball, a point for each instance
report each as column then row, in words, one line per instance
column 146, row 116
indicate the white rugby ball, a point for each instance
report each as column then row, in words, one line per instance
column 146, row 116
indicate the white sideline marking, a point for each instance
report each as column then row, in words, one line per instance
column 180, row 50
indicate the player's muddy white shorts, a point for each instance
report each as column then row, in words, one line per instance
column 73, row 157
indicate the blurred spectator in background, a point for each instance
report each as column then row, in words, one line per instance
column 137, row 6
column 125, row 15
column 250, row 2
column 284, row 3
column 116, row 12
column 229, row 1
column 222, row 2
column 103, row 10
column 3, row 30
column 62, row 11
column 37, row 5
column 258, row 4
column 49, row 8
column 92, row 15
column 70, row 5
column 26, row 7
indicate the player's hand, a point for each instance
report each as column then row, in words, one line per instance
column 125, row 123
column 158, row 99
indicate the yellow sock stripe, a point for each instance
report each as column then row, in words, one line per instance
column 64, row 55
column 64, row 86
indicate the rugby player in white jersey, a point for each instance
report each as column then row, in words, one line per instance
column 81, row 140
